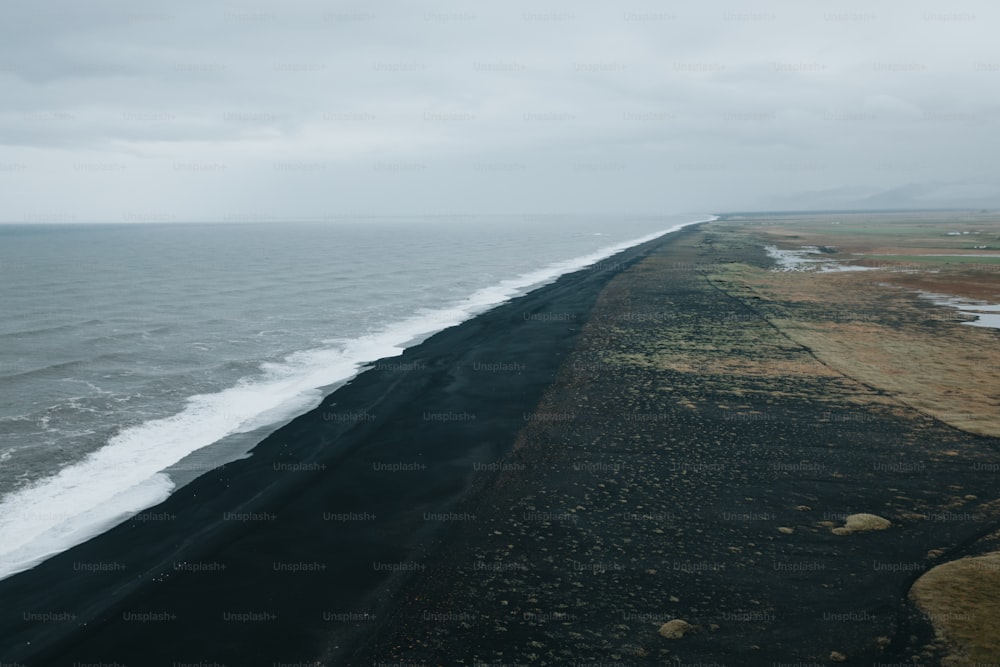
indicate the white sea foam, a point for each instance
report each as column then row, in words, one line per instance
column 126, row 475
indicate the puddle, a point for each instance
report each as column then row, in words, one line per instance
column 809, row 258
column 987, row 314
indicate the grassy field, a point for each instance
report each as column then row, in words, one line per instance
column 872, row 325
column 908, row 235
column 934, row 259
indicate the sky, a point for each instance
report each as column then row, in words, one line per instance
column 121, row 111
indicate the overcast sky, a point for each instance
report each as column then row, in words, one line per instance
column 198, row 110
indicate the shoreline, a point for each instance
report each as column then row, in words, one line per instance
column 152, row 482
column 696, row 508
column 246, row 561
column 559, row 479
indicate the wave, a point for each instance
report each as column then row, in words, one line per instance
column 58, row 328
column 126, row 475
column 61, row 369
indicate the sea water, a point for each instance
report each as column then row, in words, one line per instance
column 134, row 357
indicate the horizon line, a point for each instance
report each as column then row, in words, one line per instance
column 145, row 219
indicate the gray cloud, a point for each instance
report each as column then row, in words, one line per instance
column 115, row 111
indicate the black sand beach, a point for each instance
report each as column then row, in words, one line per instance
column 275, row 558
column 549, row 483
column 693, row 464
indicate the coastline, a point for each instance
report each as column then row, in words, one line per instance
column 556, row 480
column 691, row 508
column 258, row 561
column 161, row 443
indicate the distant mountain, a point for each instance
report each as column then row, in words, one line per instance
column 909, row 196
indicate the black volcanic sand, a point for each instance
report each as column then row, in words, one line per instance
column 651, row 486
column 285, row 555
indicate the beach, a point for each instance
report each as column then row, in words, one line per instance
column 274, row 557
column 707, row 491
column 640, row 463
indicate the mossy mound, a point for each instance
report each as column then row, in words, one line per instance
column 962, row 600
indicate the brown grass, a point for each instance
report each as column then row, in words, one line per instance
column 957, row 282
column 934, row 375
column 889, row 339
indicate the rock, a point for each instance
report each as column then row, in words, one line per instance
column 857, row 523
column 675, row 629
column 837, row 656
column 785, row 530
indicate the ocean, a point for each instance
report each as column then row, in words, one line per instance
column 135, row 357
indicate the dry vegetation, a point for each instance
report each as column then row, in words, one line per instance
column 935, row 252
column 872, row 326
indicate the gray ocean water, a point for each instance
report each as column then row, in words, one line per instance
column 133, row 357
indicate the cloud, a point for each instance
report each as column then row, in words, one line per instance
column 401, row 108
